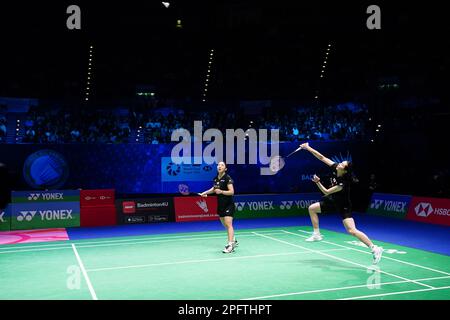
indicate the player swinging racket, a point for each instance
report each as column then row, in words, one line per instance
column 337, row 199
column 223, row 187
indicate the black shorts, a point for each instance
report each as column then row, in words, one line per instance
column 329, row 206
column 226, row 210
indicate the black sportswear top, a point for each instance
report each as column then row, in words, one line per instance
column 222, row 184
column 341, row 198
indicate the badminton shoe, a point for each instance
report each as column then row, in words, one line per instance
column 377, row 252
column 228, row 248
column 235, row 243
column 314, row 237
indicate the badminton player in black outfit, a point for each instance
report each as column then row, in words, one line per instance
column 223, row 187
column 337, row 199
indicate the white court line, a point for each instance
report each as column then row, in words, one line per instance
column 384, row 257
column 158, row 237
column 143, row 238
column 91, row 289
column 342, row 288
column 395, row 293
column 344, row 260
column 112, row 243
column 204, row 260
column 157, row 241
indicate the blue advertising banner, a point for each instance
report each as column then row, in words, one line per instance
column 143, row 168
column 42, row 215
column 389, row 205
column 274, row 205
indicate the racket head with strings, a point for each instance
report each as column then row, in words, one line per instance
column 276, row 163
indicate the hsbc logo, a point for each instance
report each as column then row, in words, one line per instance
column 286, row 205
column 423, row 209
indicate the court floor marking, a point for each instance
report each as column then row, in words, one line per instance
column 384, row 257
column 83, row 270
column 112, row 243
column 395, row 293
column 344, row 260
column 204, row 260
column 344, row 288
column 35, row 250
column 143, row 238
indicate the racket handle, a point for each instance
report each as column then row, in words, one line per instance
column 299, row 148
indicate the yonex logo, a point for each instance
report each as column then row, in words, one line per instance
column 202, row 204
column 26, row 215
column 45, row 215
column 240, row 205
column 376, row 204
column 33, row 196
column 46, row 196
column 1, row 216
column 423, row 209
column 286, row 205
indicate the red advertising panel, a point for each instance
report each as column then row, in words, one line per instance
column 94, row 198
column 98, row 216
column 195, row 209
column 97, row 208
column 431, row 210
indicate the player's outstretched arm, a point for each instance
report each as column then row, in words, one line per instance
column 205, row 193
column 317, row 154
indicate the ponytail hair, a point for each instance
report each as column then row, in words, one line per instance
column 349, row 175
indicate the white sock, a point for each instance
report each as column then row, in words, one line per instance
column 372, row 247
column 316, row 231
column 230, row 243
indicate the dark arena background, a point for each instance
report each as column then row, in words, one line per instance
column 97, row 202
